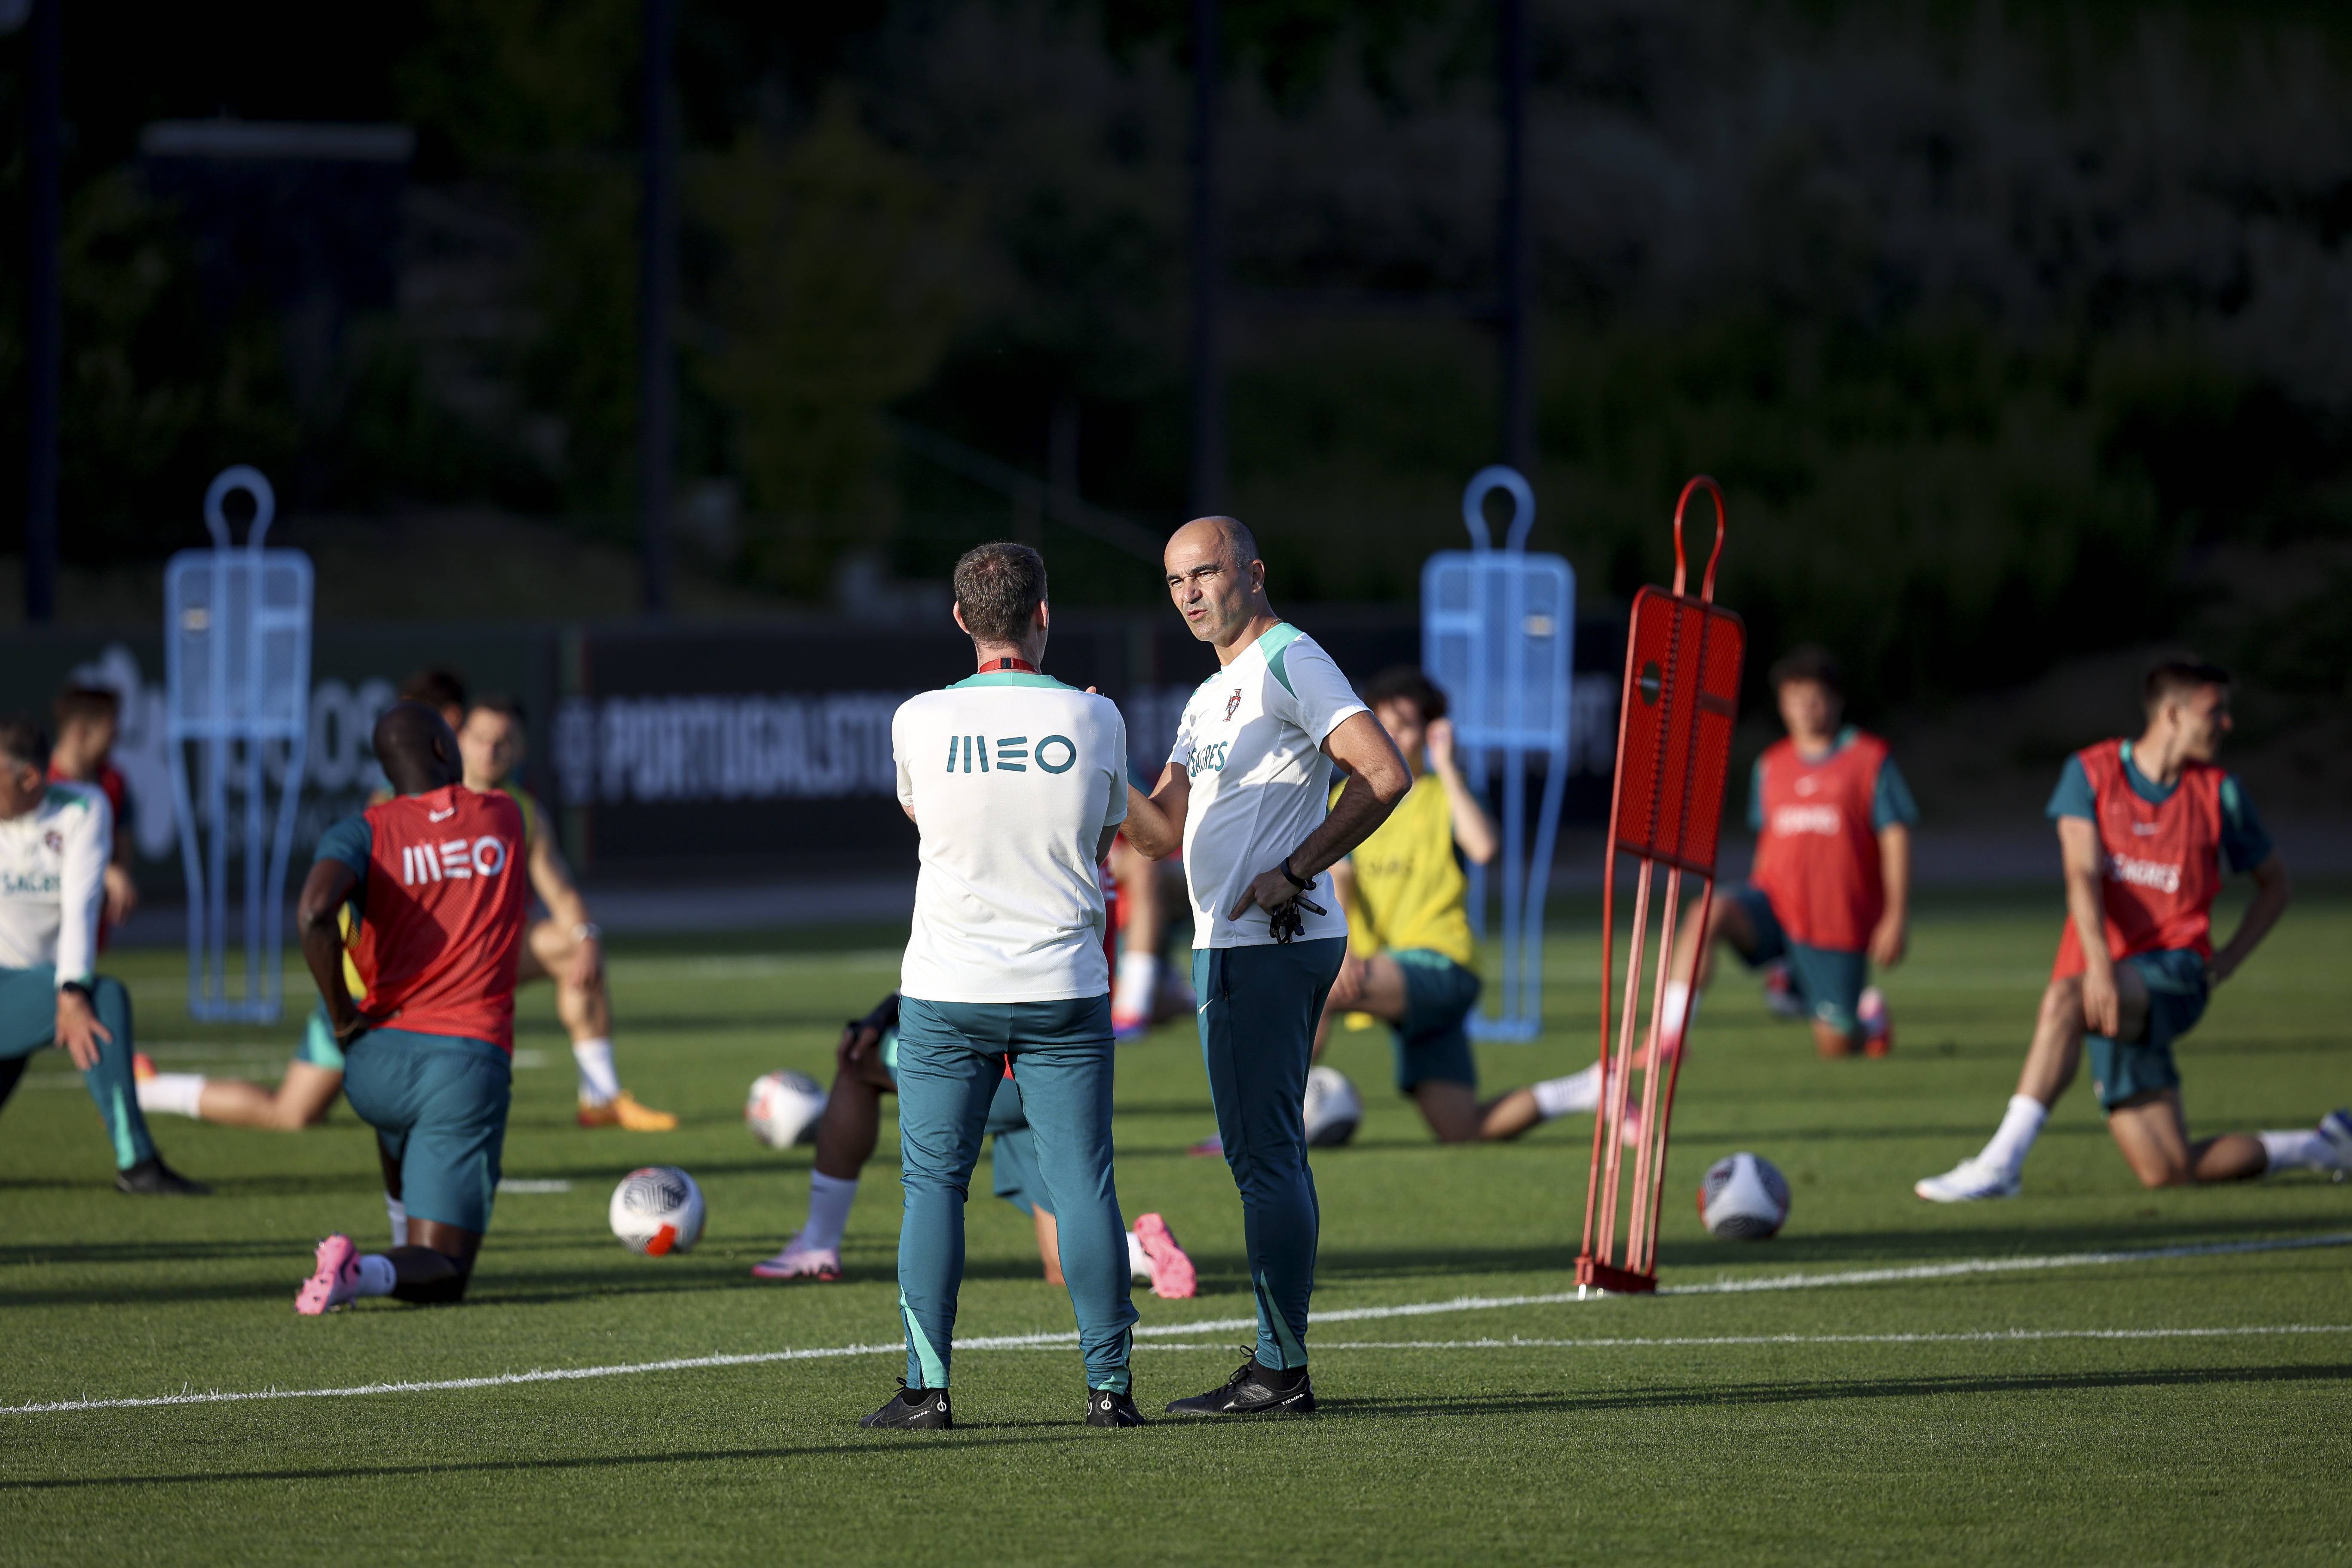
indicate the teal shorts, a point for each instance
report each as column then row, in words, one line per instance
column 1432, row 1046
column 318, row 1047
column 439, row 1105
column 1828, row 979
column 2125, row 1070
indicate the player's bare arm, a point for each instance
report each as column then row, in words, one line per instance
column 1377, row 780
column 1471, row 829
column 2274, row 891
column 1893, row 935
column 325, row 890
column 550, row 879
column 2078, row 847
column 1155, row 822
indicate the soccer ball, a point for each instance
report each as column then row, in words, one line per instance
column 783, row 1109
column 1334, row 1109
column 658, row 1211
column 1743, row 1197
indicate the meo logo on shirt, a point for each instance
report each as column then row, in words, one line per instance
column 1053, row 754
column 1791, row 819
column 451, row 860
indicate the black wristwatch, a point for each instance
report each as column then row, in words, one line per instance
column 1298, row 881
column 359, row 1025
column 79, row 989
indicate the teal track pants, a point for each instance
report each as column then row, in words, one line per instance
column 950, row 1060
column 28, row 1021
column 1258, row 1007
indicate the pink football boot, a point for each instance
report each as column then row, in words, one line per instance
column 336, row 1279
column 1172, row 1278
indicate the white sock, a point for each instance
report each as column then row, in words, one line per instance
column 1571, row 1095
column 828, row 1214
column 1138, row 985
column 396, row 1211
column 600, row 1082
column 2303, row 1150
column 376, row 1278
column 2019, row 1126
column 1676, row 1011
column 175, row 1093
column 1139, row 1262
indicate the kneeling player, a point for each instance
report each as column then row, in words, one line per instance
column 56, row 841
column 439, row 930
column 1409, row 947
column 1830, row 894
column 2143, row 829
column 865, row 1069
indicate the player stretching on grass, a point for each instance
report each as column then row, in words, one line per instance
column 440, row 908
column 1831, row 891
column 2143, row 829
column 56, row 841
column 1246, row 794
column 1409, row 950
column 1016, row 783
column 865, row 1069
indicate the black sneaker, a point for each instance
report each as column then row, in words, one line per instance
column 914, row 1410
column 1107, row 1408
column 1253, row 1390
column 152, row 1178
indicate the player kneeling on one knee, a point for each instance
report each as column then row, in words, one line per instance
column 437, row 896
column 1410, row 953
column 2144, row 828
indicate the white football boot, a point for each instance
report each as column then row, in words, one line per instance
column 2336, row 1128
column 1969, row 1182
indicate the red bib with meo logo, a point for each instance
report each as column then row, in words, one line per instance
column 2159, row 865
column 1817, row 858
column 444, row 909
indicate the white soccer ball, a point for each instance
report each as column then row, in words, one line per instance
column 783, row 1109
column 1743, row 1197
column 1334, row 1109
column 658, row 1211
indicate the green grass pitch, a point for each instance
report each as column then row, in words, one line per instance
column 1828, row 1424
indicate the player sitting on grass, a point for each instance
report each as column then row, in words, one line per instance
column 865, row 1069
column 438, row 930
column 89, row 720
column 565, row 948
column 2144, row 827
column 1830, row 894
column 56, row 841
column 1409, row 949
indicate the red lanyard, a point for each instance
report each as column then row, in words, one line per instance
column 1008, row 664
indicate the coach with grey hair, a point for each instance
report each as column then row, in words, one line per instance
column 1244, row 795
column 1017, row 785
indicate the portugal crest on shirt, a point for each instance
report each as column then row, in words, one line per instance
column 1232, row 704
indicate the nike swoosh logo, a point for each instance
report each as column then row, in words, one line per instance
column 438, row 815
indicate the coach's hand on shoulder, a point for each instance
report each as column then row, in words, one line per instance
column 79, row 1032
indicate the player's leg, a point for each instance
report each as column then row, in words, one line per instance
column 113, row 1085
column 1257, row 1016
column 1064, row 1066
column 585, row 1009
column 949, row 1063
column 845, row 1136
column 1830, row 983
column 1742, row 920
column 2154, row 1137
column 301, row 1099
column 1136, row 981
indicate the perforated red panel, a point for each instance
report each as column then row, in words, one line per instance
column 1674, row 742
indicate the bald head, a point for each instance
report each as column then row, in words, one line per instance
column 1229, row 536
column 416, row 748
column 1217, row 581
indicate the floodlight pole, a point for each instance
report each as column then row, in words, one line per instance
column 1515, row 249
column 43, row 101
column 656, row 290
column 1207, row 487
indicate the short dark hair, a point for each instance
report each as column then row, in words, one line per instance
column 435, row 686
column 77, row 704
column 498, row 702
column 998, row 586
column 2172, row 675
column 23, row 741
column 1809, row 661
column 1406, row 683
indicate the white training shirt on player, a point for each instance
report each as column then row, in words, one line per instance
column 53, row 881
column 1012, row 777
column 1251, row 738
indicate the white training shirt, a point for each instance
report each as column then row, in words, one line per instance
column 1012, row 777
column 1251, row 738
column 53, row 881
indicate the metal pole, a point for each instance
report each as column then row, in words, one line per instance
column 657, row 289
column 1515, row 246
column 42, row 326
column 1208, row 462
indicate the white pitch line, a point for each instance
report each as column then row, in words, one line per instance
column 1345, row 1315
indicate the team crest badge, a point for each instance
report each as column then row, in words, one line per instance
column 55, row 842
column 1232, row 704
